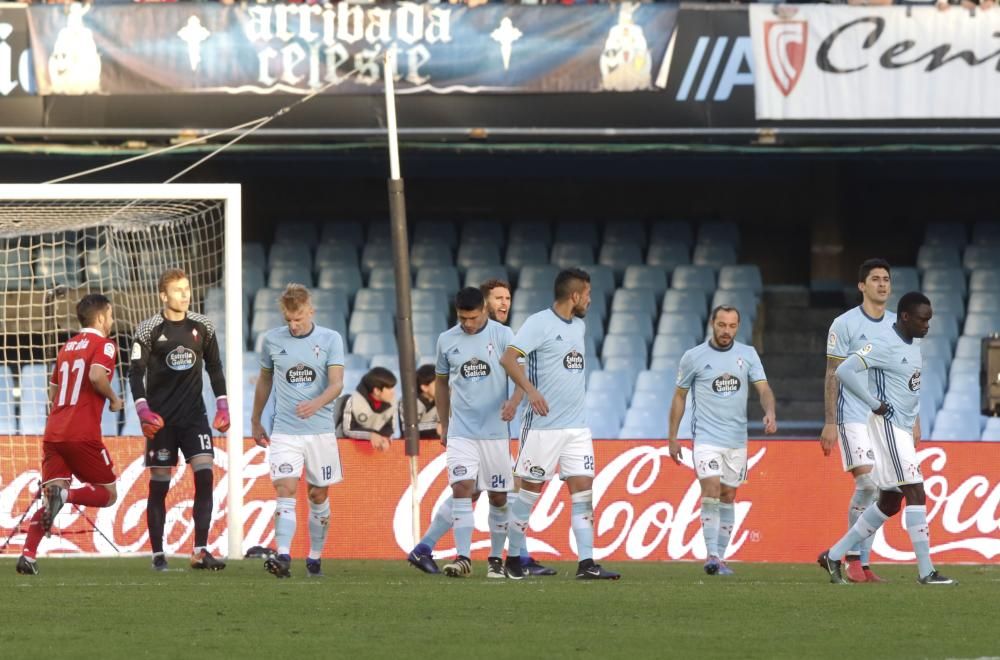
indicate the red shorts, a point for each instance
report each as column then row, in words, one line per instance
column 89, row 461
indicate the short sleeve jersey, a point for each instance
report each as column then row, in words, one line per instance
column 477, row 379
column 300, row 365
column 77, row 408
column 719, row 381
column 849, row 333
column 894, row 375
column 555, row 359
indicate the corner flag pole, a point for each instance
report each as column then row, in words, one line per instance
column 404, row 311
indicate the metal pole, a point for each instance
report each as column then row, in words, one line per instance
column 404, row 309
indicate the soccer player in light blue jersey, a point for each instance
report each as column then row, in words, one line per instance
column 555, row 427
column 891, row 390
column 846, row 416
column 308, row 361
column 718, row 374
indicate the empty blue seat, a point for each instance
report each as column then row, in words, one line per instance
column 660, row 382
column 618, row 345
column 598, row 312
column 388, row 361
column 290, row 232
column 619, row 256
column 905, row 279
column 985, row 279
column 944, row 233
column 376, row 255
column 938, row 256
column 936, row 347
column 430, row 254
column 382, row 277
column 429, row 322
column 336, row 254
column 984, row 302
column 643, row 423
column 742, row 276
column 693, row 277
column 282, row 275
column 476, row 275
column 686, row 301
column 578, row 231
column 673, row 345
column 57, row 265
column 340, row 278
column 472, row 255
column 668, row 256
column 292, row 253
column 714, row 255
column 671, row 231
column 944, row 324
column 653, row 278
column 266, row 299
column 980, row 256
column 630, row 323
column 945, row 279
column 330, row 299
column 8, row 417
column 425, row 344
column 571, row 255
column 482, row 231
column 955, row 425
column 333, row 319
column 665, row 363
column 986, row 232
column 634, row 300
column 521, row 255
column 625, row 231
column 947, row 302
column 264, row 320
column 980, row 324
column 991, row 431
column 530, row 231
column 530, row 301
column 603, row 428
column 254, row 253
column 375, row 300
column 612, row 381
column 606, row 392
column 602, row 281
column 629, row 364
column 742, row 299
column 370, row 322
column 719, row 232
column 965, row 402
column 435, row 231
column 253, row 278
column 538, row 277
column 370, row 344
column 647, row 399
column 959, row 366
column 354, row 362
column 968, row 347
column 680, row 323
column 439, row 277
column 34, row 398
column 343, row 232
column 430, row 300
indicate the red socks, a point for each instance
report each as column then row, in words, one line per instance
column 89, row 496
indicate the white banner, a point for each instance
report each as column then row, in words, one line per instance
column 841, row 62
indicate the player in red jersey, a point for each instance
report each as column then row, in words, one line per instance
column 72, row 444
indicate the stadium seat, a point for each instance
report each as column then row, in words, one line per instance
column 606, row 397
column 382, row 277
column 647, row 399
column 336, row 254
column 631, row 323
column 266, row 299
column 602, row 427
column 980, row 324
column 254, row 253
column 947, row 302
column 671, row 231
column 980, row 256
column 905, row 279
column 371, row 344
column 945, row 279
column 292, row 253
column 641, row 301
column 959, row 366
column 986, row 233
column 342, row 232
column 968, row 347
column 521, row 255
column 430, row 254
column 430, row 300
column 938, row 257
column 439, row 277
column 742, row 299
column 340, row 278
column 644, row 423
column 653, row 278
column 991, row 431
column 353, row 361
column 942, row 233
column 34, row 383
column 99, row 268
column 944, row 324
column 375, row 300
column 660, row 382
column 665, row 363
column 531, row 231
column 264, row 320
column 472, row 255
column 612, row 381
column 389, row 361
column 693, row 277
column 673, row 346
column 668, row 256
column 984, row 302
column 253, row 278
column 689, row 301
column 479, row 232
column 955, row 425
column 426, row 344
column 631, row 344
column 8, row 417
column 429, row 322
column 330, row 299
column 375, row 255
column 594, row 333
column 678, row 323
column 578, row 231
column 215, row 299
column 625, row 231
column 333, row 319
column 718, row 232
column 627, row 364
column 476, row 275
column 291, row 232
column 435, row 231
column 602, row 282
column 538, row 277
column 986, row 279
column 961, row 402
column 619, row 256
column 370, row 322
column 57, row 265
column 571, row 255
column 938, row 347
column 281, row 275
column 714, row 256
column 742, row 276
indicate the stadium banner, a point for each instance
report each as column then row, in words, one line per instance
column 16, row 74
column 858, row 63
column 645, row 506
column 299, row 48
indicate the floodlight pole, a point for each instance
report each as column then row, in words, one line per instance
column 404, row 308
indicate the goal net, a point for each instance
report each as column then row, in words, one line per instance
column 61, row 242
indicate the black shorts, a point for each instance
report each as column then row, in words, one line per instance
column 191, row 439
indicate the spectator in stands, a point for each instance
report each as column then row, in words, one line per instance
column 984, row 5
column 427, row 415
column 369, row 412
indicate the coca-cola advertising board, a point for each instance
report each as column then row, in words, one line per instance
column 646, row 507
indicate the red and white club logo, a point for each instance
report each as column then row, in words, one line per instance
column 785, row 46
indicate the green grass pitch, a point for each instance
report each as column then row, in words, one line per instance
column 119, row 608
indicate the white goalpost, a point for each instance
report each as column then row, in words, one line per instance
column 61, row 242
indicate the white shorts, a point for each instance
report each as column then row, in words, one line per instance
column 855, row 446
column 319, row 453
column 541, row 450
column 895, row 456
column 729, row 464
column 485, row 461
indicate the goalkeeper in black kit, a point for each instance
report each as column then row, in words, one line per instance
column 170, row 350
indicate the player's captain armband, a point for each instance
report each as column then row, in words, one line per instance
column 109, row 349
column 136, row 351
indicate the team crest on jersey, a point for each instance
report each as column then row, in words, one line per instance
column 726, row 385
column 194, row 333
column 865, row 350
column 915, row 381
column 573, row 361
column 181, row 358
column 301, row 375
column 317, row 350
column 475, row 369
column 739, row 363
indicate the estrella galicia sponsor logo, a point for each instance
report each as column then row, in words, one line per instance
column 285, row 468
column 475, row 369
column 713, row 464
column 726, row 385
column 573, row 361
column 181, row 358
column 163, row 455
column 459, row 471
column 537, row 471
column 300, row 375
column 915, row 381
